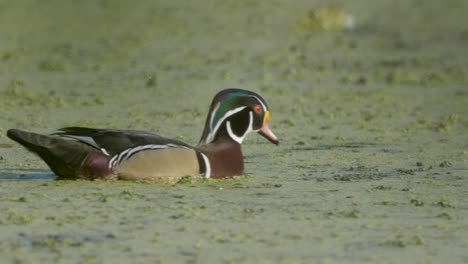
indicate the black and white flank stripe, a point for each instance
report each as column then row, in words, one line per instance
column 204, row 163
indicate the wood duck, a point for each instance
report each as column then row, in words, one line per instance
column 87, row 153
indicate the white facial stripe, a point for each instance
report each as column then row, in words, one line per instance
column 263, row 105
column 212, row 116
column 212, row 133
column 207, row 166
column 231, row 134
column 241, row 138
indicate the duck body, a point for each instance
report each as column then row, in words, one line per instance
column 88, row 153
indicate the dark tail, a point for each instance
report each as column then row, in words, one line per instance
column 63, row 156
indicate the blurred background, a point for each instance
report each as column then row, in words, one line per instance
column 91, row 53
column 369, row 97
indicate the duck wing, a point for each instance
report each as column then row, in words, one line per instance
column 113, row 141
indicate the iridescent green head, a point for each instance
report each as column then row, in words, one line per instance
column 233, row 114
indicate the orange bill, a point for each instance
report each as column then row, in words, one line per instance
column 265, row 130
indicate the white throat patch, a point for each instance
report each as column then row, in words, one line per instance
column 214, row 130
column 241, row 138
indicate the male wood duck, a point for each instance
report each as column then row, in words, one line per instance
column 87, row 153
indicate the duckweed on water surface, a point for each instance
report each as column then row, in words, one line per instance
column 372, row 167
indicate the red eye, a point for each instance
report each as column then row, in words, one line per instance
column 258, row 109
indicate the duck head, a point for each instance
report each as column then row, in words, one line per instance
column 234, row 113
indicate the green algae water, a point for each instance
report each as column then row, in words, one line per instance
column 370, row 99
